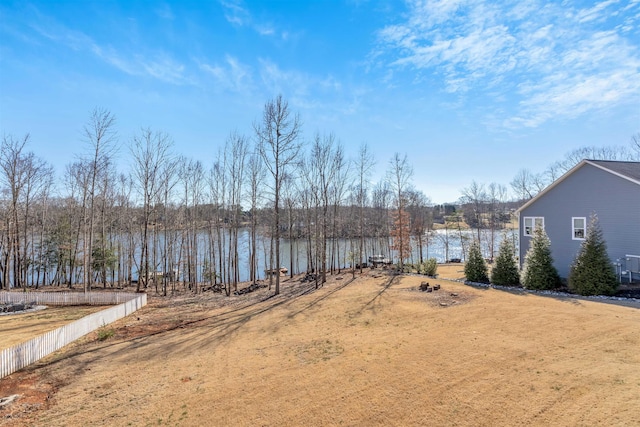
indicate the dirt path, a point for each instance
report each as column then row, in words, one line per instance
column 373, row 351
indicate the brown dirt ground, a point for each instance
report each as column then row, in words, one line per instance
column 371, row 351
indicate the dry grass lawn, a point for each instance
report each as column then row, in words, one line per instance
column 16, row 328
column 374, row 351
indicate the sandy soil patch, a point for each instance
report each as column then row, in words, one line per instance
column 370, row 351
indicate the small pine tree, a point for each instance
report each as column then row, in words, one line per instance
column 592, row 272
column 475, row 268
column 539, row 271
column 429, row 267
column 505, row 272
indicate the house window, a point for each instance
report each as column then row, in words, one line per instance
column 578, row 228
column 531, row 223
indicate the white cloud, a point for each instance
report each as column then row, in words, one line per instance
column 232, row 75
column 158, row 65
column 234, row 13
column 595, row 13
column 238, row 15
column 551, row 60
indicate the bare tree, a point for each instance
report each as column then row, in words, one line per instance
column 525, row 184
column 474, row 198
column 150, row 153
column 364, row 166
column 102, row 253
column 321, row 170
column 290, row 197
column 100, row 135
column 23, row 178
column 218, row 195
column 421, row 219
column 191, row 176
column 277, row 136
column 381, row 202
column 635, row 145
column 237, row 147
column 574, row 157
column 399, row 176
column 496, row 215
column 77, row 178
column 126, row 244
column 168, row 180
column 340, row 175
column 256, row 177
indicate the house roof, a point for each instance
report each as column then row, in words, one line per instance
column 629, row 170
column 626, row 170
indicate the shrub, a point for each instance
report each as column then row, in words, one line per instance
column 505, row 272
column 104, row 333
column 429, row 267
column 539, row 271
column 592, row 272
column 475, row 269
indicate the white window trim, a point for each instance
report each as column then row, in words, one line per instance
column 573, row 227
column 533, row 224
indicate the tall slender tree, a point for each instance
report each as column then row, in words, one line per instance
column 150, row 153
column 474, row 198
column 256, row 173
column 321, row 172
column 364, row 166
column 421, row 219
column 237, row 147
column 399, row 176
column 100, row 135
column 23, row 178
column 277, row 136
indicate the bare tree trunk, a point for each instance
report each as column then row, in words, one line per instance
column 22, row 177
column 278, row 146
column 150, row 153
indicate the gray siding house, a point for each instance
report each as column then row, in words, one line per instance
column 611, row 190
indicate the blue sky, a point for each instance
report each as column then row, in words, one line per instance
column 469, row 90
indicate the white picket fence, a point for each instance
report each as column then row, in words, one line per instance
column 66, row 298
column 26, row 353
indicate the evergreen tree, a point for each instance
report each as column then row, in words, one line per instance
column 429, row 267
column 592, row 272
column 539, row 271
column 475, row 269
column 505, row 272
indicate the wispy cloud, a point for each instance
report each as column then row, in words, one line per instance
column 157, row 65
column 551, row 60
column 237, row 14
column 232, row 75
column 164, row 11
column 325, row 95
column 294, row 83
column 596, row 12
